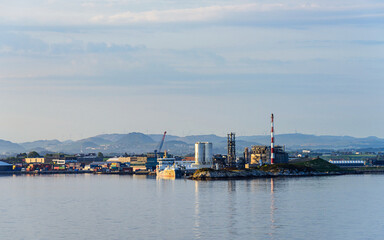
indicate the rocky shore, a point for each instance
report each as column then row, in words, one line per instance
column 253, row 173
column 315, row 167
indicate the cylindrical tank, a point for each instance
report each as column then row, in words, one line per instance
column 208, row 153
column 246, row 155
column 199, row 153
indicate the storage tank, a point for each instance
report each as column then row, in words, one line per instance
column 199, row 153
column 208, row 153
column 246, row 155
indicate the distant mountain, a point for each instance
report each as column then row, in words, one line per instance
column 135, row 139
column 302, row 141
column 140, row 143
column 78, row 146
column 202, row 138
column 111, row 137
column 40, row 144
column 96, row 140
column 157, row 137
column 178, row 147
column 10, row 147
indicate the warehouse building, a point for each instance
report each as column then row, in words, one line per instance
column 139, row 162
column 5, row 167
column 36, row 160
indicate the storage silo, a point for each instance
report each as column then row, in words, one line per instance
column 199, row 153
column 208, row 153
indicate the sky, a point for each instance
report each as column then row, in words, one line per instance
column 74, row 69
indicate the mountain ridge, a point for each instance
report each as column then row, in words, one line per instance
column 136, row 142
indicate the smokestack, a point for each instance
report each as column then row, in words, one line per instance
column 272, row 141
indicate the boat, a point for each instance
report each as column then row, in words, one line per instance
column 170, row 172
column 168, row 168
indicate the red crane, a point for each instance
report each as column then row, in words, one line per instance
column 160, row 145
column 162, row 141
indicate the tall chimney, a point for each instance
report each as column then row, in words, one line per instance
column 272, row 141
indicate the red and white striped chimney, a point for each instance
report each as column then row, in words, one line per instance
column 272, row 141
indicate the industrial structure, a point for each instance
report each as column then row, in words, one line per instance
column 261, row 154
column 139, row 162
column 160, row 145
column 247, row 156
column 349, row 163
column 272, row 141
column 203, row 154
column 231, row 156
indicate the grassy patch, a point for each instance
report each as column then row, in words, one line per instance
column 320, row 165
column 204, row 170
column 278, row 167
column 314, row 165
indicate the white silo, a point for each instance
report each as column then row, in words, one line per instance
column 199, row 153
column 208, row 153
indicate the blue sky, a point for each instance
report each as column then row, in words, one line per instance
column 73, row 69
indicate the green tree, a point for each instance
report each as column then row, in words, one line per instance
column 100, row 155
column 33, row 154
column 21, row 155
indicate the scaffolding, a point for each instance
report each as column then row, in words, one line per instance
column 231, row 157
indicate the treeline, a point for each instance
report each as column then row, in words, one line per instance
column 19, row 157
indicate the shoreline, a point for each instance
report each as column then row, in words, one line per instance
column 208, row 175
column 254, row 174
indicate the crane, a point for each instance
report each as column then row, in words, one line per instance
column 161, row 144
column 162, row 141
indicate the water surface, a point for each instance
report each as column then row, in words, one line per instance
column 139, row 207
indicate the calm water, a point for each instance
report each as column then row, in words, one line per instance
column 137, row 207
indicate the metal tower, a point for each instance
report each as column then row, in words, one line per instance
column 272, row 141
column 231, row 156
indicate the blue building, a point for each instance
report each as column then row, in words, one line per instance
column 5, row 167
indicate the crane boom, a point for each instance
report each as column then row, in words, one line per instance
column 162, row 141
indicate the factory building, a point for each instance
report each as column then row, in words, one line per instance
column 140, row 162
column 262, row 155
column 349, row 163
column 203, row 154
column 35, row 160
column 219, row 161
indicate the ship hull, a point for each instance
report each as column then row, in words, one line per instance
column 170, row 173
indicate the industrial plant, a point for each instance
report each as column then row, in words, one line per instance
column 165, row 164
column 156, row 162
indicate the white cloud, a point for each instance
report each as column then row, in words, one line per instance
column 184, row 15
column 212, row 13
column 86, row 12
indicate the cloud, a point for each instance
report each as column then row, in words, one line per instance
column 184, row 15
column 242, row 12
column 22, row 44
column 99, row 13
column 368, row 42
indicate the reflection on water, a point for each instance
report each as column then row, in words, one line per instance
column 272, row 208
column 231, row 186
column 232, row 208
column 119, row 207
column 197, row 212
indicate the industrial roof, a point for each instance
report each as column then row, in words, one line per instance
column 115, row 159
column 4, row 164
